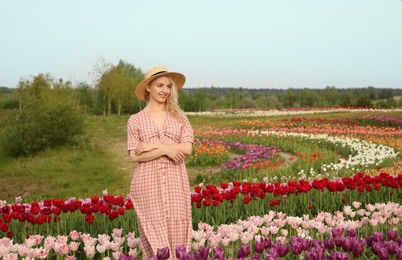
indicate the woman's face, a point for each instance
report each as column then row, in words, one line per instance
column 159, row 89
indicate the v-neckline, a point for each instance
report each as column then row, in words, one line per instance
column 154, row 122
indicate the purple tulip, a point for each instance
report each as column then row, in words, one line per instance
column 392, row 234
column 391, row 246
column 347, row 243
column 297, row 248
column 163, row 254
column 399, row 253
column 376, row 246
column 202, row 253
column 296, row 245
column 338, row 241
column 243, row 251
column 306, row 243
column 337, row 232
column 272, row 254
column 383, row 253
column 255, row 257
column 338, row 256
column 369, row 240
column 351, row 233
column 259, row 246
column 314, row 253
column 329, row 243
column 358, row 247
column 126, row 257
column 318, row 243
column 219, row 253
column 180, row 252
column 378, row 236
column 281, row 249
column 399, row 240
column 267, row 242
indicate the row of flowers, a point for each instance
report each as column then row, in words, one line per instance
column 50, row 211
column 286, row 112
column 349, row 232
column 234, row 197
column 317, row 126
column 76, row 245
column 280, row 226
column 384, row 119
column 205, row 195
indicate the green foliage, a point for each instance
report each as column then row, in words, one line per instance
column 117, row 86
column 40, row 126
column 363, row 100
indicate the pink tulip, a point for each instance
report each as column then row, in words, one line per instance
column 89, row 251
column 101, row 248
column 117, row 232
column 42, row 253
column 74, row 235
column 10, row 256
column 74, row 246
column 64, row 249
column 103, row 239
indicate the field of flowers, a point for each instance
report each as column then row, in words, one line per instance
column 285, row 185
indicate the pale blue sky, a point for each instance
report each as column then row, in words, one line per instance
column 222, row 43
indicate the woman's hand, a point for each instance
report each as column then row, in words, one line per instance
column 175, row 155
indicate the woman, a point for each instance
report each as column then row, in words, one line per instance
column 159, row 138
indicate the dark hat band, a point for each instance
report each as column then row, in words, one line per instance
column 160, row 72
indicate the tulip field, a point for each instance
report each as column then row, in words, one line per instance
column 294, row 184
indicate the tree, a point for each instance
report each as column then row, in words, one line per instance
column 385, row 94
column 346, row 100
column 48, row 117
column 331, row 95
column 363, row 100
column 233, row 99
column 308, row 98
column 84, row 95
column 36, row 89
column 117, row 84
column 371, row 93
column 200, row 101
column 289, row 98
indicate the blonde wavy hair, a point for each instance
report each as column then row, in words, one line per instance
column 172, row 102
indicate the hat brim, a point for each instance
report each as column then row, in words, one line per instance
column 178, row 78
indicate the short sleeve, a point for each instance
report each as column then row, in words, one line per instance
column 132, row 134
column 187, row 133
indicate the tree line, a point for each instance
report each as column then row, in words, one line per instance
column 113, row 93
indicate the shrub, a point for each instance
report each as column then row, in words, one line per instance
column 38, row 127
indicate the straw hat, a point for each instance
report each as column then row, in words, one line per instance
column 156, row 72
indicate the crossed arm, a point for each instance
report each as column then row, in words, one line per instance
column 148, row 152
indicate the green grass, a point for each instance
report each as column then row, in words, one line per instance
column 72, row 171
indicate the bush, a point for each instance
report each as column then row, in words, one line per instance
column 38, row 127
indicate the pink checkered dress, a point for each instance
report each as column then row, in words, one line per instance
column 160, row 188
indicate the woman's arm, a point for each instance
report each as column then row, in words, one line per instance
column 186, row 148
column 146, row 156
